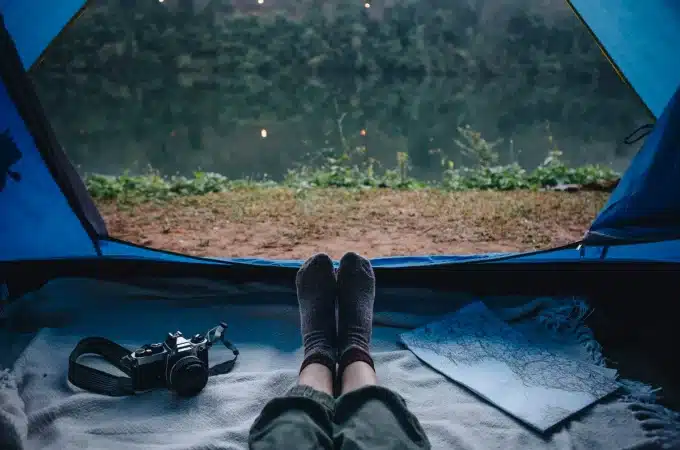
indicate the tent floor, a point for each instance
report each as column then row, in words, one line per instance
column 264, row 323
column 637, row 339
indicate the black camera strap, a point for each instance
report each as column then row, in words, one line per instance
column 96, row 380
column 217, row 334
column 106, row 383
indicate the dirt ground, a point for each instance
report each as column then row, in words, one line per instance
column 284, row 223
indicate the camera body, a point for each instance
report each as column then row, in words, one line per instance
column 177, row 363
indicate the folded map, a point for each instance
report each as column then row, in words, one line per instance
column 526, row 380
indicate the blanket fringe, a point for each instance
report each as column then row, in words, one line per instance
column 568, row 318
column 7, row 379
column 13, row 420
column 659, row 423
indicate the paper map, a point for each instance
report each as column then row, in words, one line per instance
column 537, row 386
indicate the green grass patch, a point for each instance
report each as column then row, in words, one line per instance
column 354, row 170
column 152, row 186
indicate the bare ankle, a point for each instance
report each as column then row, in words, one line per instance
column 317, row 376
column 357, row 375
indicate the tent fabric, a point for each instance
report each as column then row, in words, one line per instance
column 26, row 231
column 646, row 204
column 46, row 209
column 121, row 249
column 665, row 251
column 640, row 39
column 33, row 24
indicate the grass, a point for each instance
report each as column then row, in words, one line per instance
column 354, row 170
column 154, row 187
column 292, row 223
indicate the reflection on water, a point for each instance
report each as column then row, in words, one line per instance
column 137, row 85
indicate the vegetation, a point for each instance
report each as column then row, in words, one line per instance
column 355, row 171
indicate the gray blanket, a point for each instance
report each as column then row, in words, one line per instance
column 40, row 409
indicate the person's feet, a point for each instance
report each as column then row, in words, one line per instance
column 316, row 291
column 356, row 294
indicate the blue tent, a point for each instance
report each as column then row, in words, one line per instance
column 49, row 215
column 50, row 229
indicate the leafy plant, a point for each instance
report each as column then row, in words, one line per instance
column 343, row 172
column 478, row 148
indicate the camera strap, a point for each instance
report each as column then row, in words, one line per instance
column 101, row 382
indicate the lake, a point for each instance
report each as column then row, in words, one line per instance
column 217, row 130
column 249, row 93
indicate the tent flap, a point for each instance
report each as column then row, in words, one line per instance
column 646, row 204
column 640, row 38
column 37, row 221
column 46, row 210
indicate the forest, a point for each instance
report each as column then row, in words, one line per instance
column 415, row 71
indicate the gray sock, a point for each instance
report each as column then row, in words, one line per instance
column 316, row 292
column 356, row 294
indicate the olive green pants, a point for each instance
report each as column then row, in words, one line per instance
column 372, row 417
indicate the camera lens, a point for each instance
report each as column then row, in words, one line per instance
column 188, row 376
